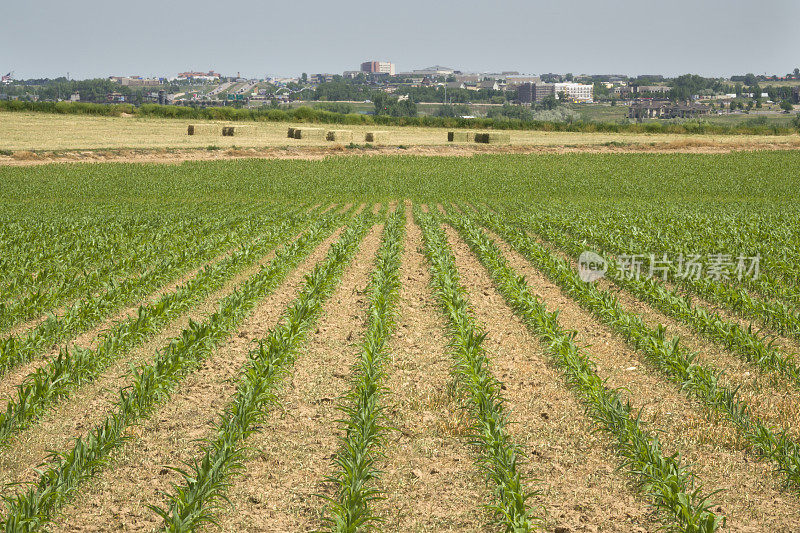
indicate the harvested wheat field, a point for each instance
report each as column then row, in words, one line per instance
column 555, row 342
column 74, row 136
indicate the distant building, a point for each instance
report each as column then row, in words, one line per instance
column 665, row 109
column 140, row 82
column 525, row 93
column 642, row 110
column 529, row 93
column 435, row 70
column 320, row 78
column 75, row 97
column 469, row 78
column 206, row 76
column 378, row 67
column 575, row 91
column 515, row 81
column 662, row 89
column 491, row 85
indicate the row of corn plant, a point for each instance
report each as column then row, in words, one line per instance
column 668, row 356
column 29, row 509
column 498, row 456
column 37, row 275
column 671, row 487
column 17, row 350
column 676, row 230
column 122, row 271
column 205, row 480
column 363, row 429
column 77, row 366
column 779, row 314
column 43, row 249
column 744, row 342
column 779, row 272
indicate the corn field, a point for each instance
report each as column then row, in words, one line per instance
column 402, row 344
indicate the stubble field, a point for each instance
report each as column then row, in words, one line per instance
column 69, row 136
column 401, row 343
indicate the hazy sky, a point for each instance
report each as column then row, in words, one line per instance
column 89, row 38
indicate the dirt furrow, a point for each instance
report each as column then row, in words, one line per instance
column 430, row 480
column 90, row 337
column 773, row 398
column 290, row 457
column 117, row 499
column 90, row 404
column 581, row 488
column 750, row 494
column 24, row 328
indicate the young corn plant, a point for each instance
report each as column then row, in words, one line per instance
column 77, row 366
column 141, row 259
column 744, row 342
column 777, row 310
column 194, row 502
column 16, row 350
column 363, row 429
column 499, row 457
column 669, row 357
column 152, row 383
column 670, row 486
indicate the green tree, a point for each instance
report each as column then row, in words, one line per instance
column 601, row 91
column 786, row 106
column 549, row 102
column 390, row 105
column 457, row 110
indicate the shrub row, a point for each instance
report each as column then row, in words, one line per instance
column 309, row 114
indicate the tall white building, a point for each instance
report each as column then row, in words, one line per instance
column 576, row 91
